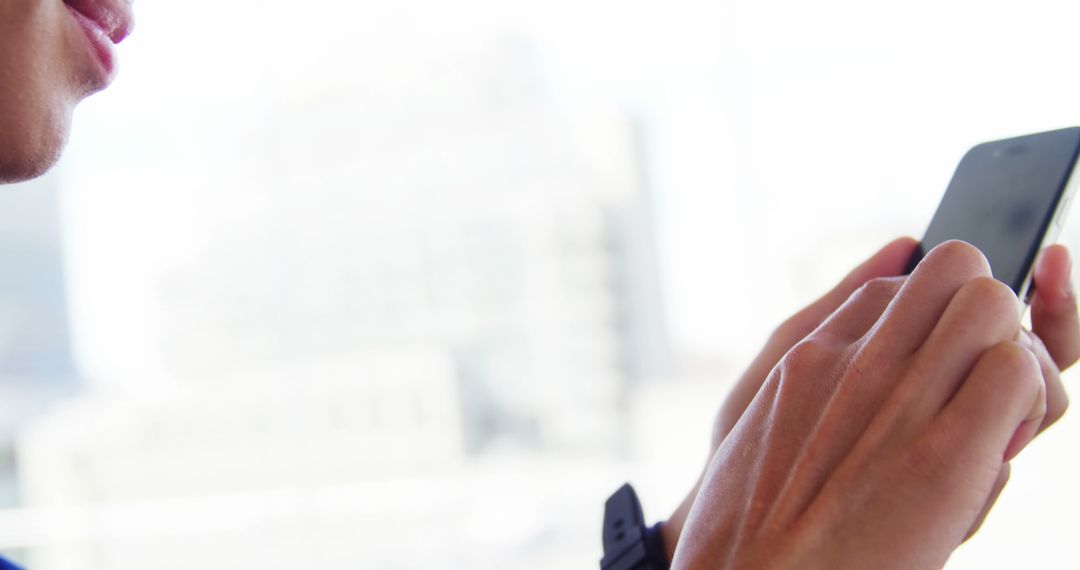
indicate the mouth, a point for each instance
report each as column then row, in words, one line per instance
column 105, row 23
column 112, row 17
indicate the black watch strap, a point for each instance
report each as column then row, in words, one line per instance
column 628, row 543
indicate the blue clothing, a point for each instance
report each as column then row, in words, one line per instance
column 5, row 565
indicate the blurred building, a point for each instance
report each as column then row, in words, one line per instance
column 274, row 451
column 476, row 280
column 480, row 219
column 36, row 367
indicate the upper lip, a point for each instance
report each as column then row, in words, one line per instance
column 114, row 17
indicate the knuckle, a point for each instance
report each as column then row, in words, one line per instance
column 806, row 373
column 1017, row 365
column 959, row 255
column 879, row 288
column 809, row 354
column 989, row 294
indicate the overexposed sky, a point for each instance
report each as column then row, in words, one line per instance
column 779, row 131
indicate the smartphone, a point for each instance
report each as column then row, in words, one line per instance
column 1009, row 198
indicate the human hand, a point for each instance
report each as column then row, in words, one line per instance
column 1056, row 342
column 890, row 261
column 877, row 441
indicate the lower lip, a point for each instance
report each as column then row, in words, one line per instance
column 100, row 45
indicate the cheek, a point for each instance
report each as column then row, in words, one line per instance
column 36, row 90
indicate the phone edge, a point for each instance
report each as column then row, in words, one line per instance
column 1057, row 222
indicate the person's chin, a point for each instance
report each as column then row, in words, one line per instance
column 27, row 155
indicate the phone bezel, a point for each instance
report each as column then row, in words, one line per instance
column 1053, row 231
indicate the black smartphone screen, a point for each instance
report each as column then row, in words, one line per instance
column 1003, row 199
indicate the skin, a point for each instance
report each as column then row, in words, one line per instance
column 875, row 428
column 45, row 71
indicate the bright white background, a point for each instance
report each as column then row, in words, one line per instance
column 784, row 142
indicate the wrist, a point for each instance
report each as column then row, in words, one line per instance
column 669, row 537
column 671, row 530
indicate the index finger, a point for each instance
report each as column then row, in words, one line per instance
column 922, row 300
